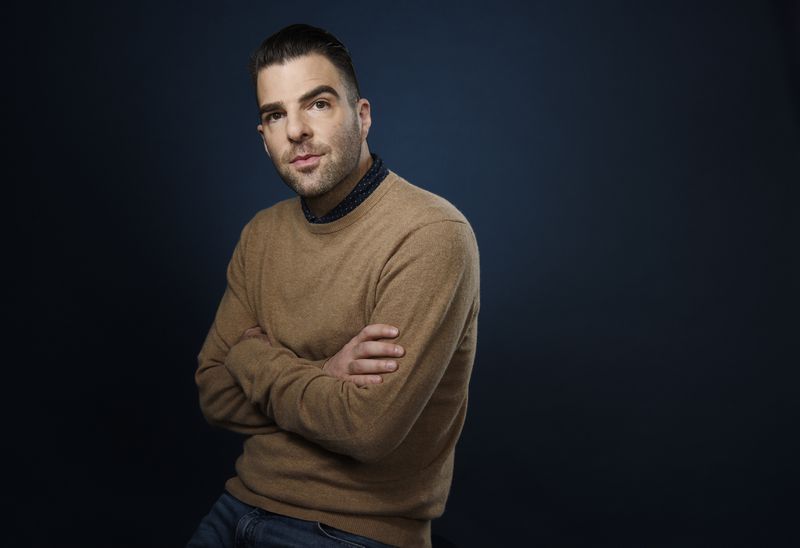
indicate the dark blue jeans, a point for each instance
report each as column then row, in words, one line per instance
column 234, row 524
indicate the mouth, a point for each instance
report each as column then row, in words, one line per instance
column 306, row 160
column 303, row 157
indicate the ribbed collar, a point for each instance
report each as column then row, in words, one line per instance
column 369, row 182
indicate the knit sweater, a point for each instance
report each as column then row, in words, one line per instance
column 378, row 460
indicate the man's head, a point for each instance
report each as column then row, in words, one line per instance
column 310, row 105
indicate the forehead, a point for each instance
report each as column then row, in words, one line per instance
column 287, row 81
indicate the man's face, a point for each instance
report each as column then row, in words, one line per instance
column 311, row 132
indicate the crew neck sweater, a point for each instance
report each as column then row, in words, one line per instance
column 378, row 460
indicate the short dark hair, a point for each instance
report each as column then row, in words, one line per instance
column 298, row 40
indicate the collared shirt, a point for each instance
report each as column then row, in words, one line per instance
column 369, row 182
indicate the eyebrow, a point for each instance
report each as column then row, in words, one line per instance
column 303, row 98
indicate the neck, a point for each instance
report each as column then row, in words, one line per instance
column 320, row 205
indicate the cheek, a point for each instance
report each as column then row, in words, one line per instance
column 271, row 148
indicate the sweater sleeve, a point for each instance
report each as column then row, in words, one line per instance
column 429, row 289
column 222, row 401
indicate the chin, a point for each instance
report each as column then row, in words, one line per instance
column 307, row 190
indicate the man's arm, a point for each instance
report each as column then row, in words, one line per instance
column 221, row 400
column 430, row 290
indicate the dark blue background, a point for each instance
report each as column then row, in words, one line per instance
column 630, row 170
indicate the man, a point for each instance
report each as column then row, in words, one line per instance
column 344, row 342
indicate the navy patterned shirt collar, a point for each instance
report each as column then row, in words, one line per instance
column 369, row 182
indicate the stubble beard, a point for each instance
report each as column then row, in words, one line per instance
column 331, row 171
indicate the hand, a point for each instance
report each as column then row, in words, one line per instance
column 254, row 333
column 355, row 361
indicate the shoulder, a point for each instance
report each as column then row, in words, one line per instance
column 438, row 247
column 261, row 223
column 424, row 216
column 427, row 230
column 413, row 201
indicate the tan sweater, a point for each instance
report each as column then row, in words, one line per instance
column 375, row 461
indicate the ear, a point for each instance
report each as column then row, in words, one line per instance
column 260, row 130
column 365, row 116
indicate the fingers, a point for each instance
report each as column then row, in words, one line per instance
column 377, row 349
column 366, row 367
column 364, row 380
column 377, row 331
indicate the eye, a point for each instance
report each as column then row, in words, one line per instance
column 271, row 117
column 320, row 104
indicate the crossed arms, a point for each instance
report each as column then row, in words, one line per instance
column 250, row 386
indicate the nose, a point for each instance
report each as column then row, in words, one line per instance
column 297, row 128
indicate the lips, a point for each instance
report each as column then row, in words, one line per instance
column 306, row 162
column 305, row 157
